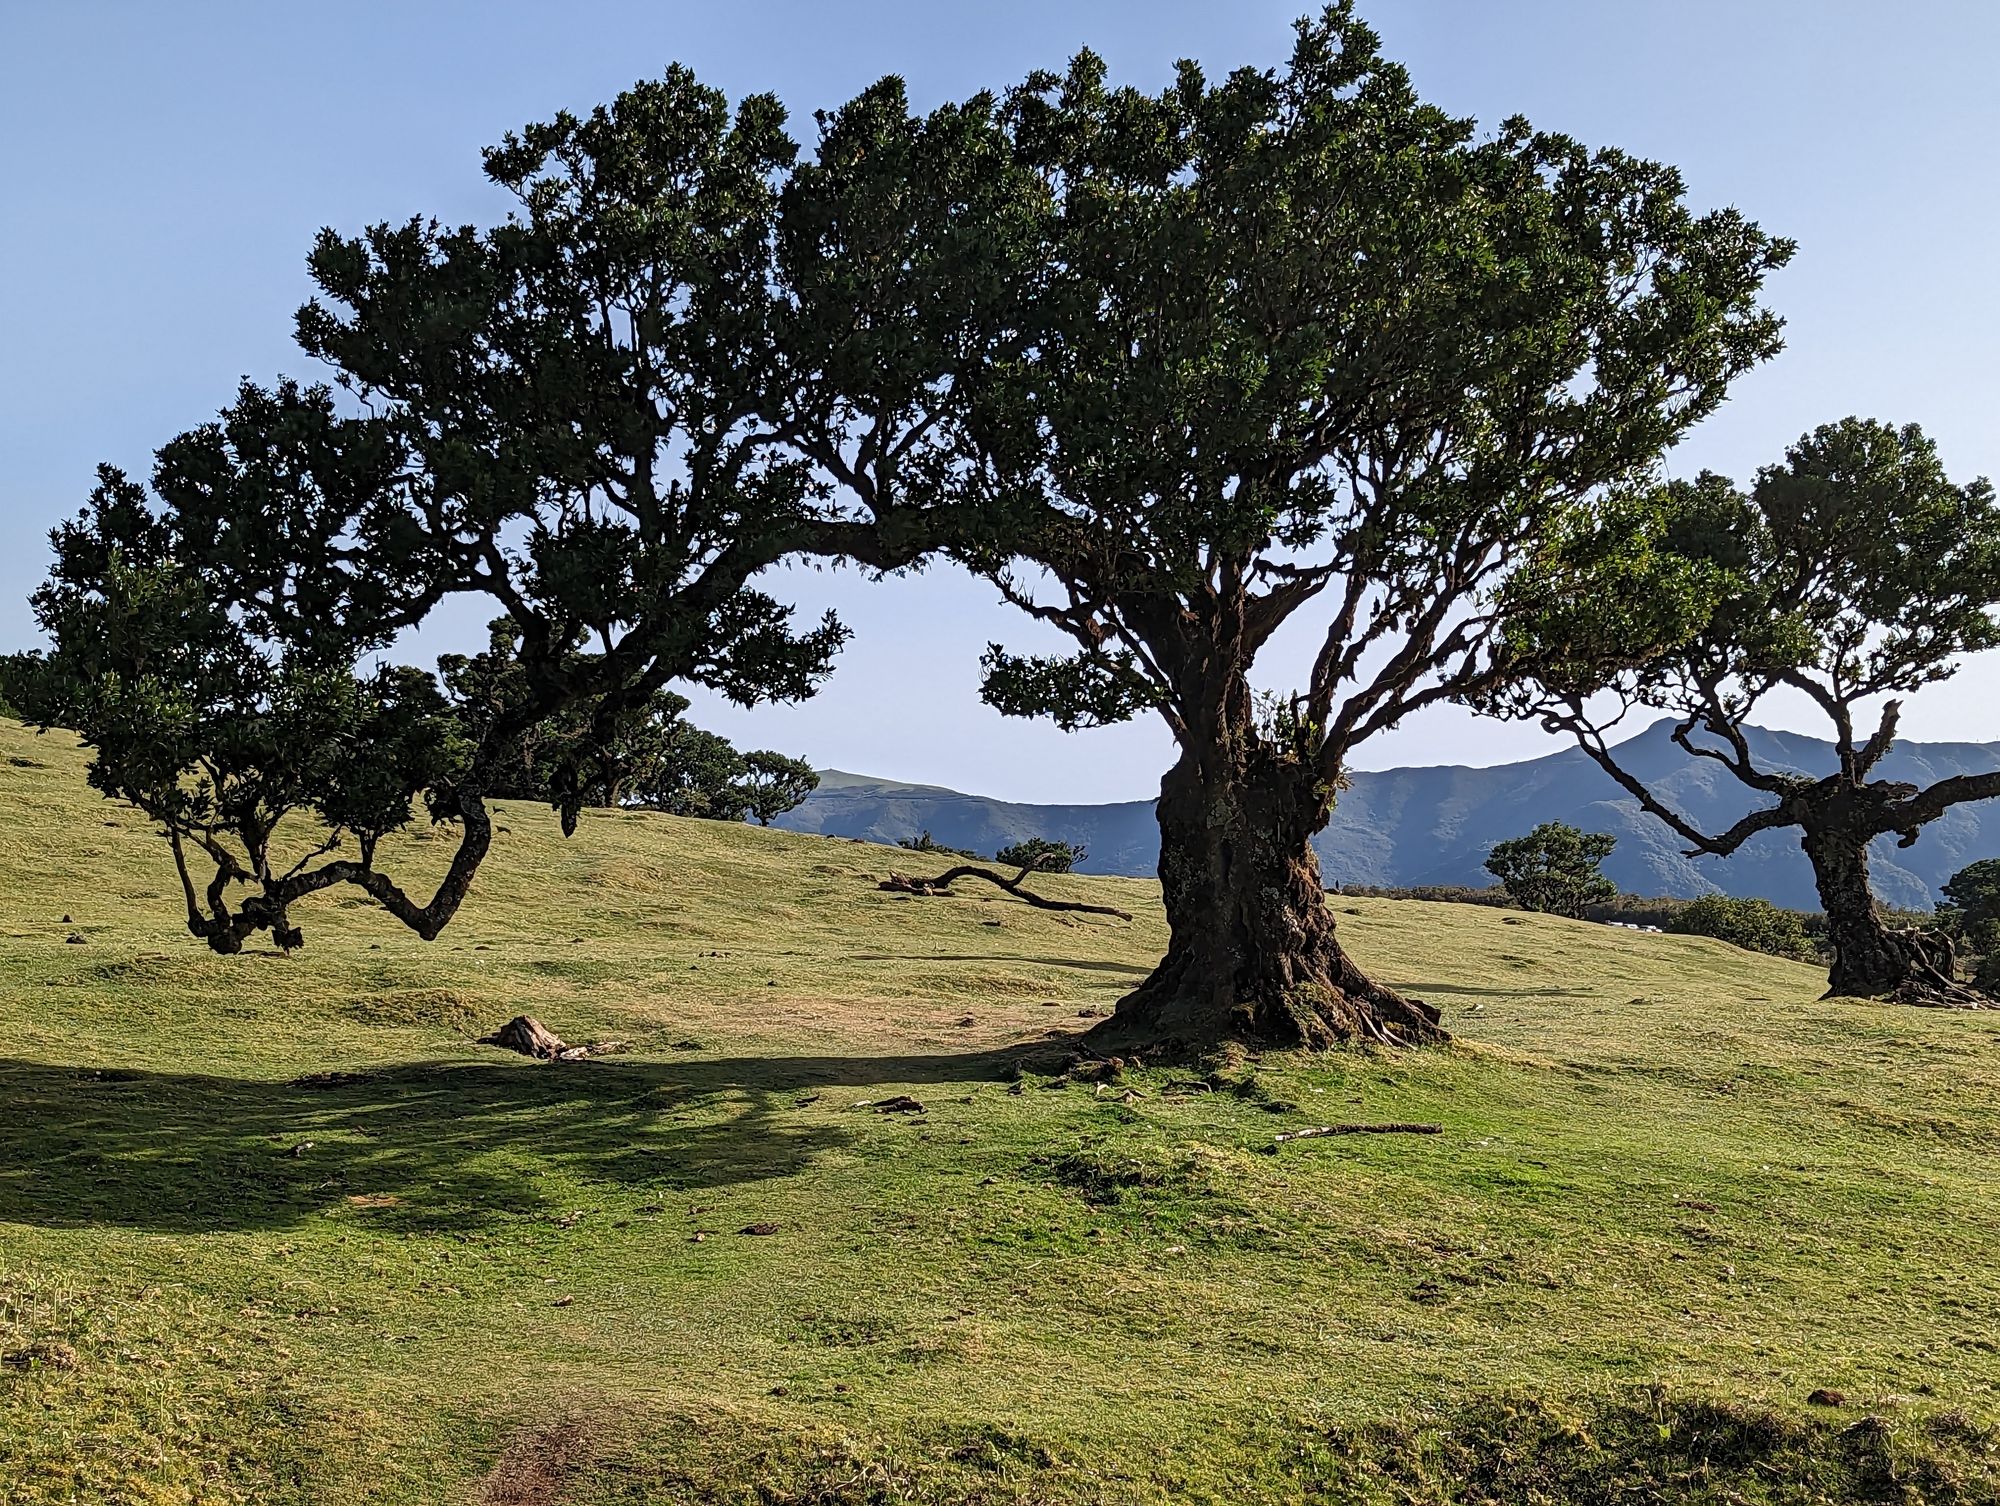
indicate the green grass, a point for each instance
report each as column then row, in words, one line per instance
column 277, row 1230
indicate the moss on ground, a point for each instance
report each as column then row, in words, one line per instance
column 277, row 1230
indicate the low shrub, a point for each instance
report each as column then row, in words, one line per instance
column 1043, row 854
column 1756, row 925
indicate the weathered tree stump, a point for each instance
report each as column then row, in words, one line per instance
column 529, row 1036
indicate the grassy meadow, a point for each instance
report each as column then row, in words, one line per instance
column 278, row 1230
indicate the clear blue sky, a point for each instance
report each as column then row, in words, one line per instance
column 169, row 164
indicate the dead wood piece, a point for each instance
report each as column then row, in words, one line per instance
column 940, row 887
column 51, row 1354
column 902, row 1103
column 1939, row 991
column 529, row 1036
column 1358, row 1129
column 592, row 1048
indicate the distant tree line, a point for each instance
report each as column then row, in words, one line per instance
column 1969, row 916
column 651, row 758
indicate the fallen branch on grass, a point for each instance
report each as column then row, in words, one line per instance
column 940, row 887
column 1358, row 1129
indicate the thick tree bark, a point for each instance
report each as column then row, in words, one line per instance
column 1253, row 954
column 1870, row 960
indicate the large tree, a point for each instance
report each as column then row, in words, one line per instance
column 1849, row 575
column 609, row 415
column 1294, row 348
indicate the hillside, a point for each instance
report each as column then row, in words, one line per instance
column 276, row 1230
column 1435, row 825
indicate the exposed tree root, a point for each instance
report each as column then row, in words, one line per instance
column 1930, row 993
column 1183, row 1011
column 1904, row 966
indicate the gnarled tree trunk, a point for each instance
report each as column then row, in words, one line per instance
column 1253, row 954
column 1870, row 960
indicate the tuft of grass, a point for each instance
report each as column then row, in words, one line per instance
column 278, row 1230
column 426, row 1008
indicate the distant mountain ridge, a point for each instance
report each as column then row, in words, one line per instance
column 1435, row 825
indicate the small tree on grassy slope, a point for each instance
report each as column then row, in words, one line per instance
column 772, row 784
column 1972, row 896
column 1854, row 571
column 1042, row 854
column 1756, row 925
column 654, row 758
column 1554, row 868
column 233, row 737
column 594, row 414
column 1295, row 342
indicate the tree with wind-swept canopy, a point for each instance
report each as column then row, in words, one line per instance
column 596, row 413
column 1853, row 573
column 271, row 758
column 1290, row 349
column 1554, row 869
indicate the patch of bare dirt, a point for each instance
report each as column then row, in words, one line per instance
column 535, row 1466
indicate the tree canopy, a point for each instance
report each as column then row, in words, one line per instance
column 1042, row 854
column 1971, row 912
column 600, row 413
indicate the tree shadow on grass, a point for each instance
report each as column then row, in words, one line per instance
column 1087, row 964
column 1518, row 991
column 439, row 1145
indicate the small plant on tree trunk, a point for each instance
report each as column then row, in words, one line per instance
column 1291, row 342
column 1554, row 869
column 1852, row 574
